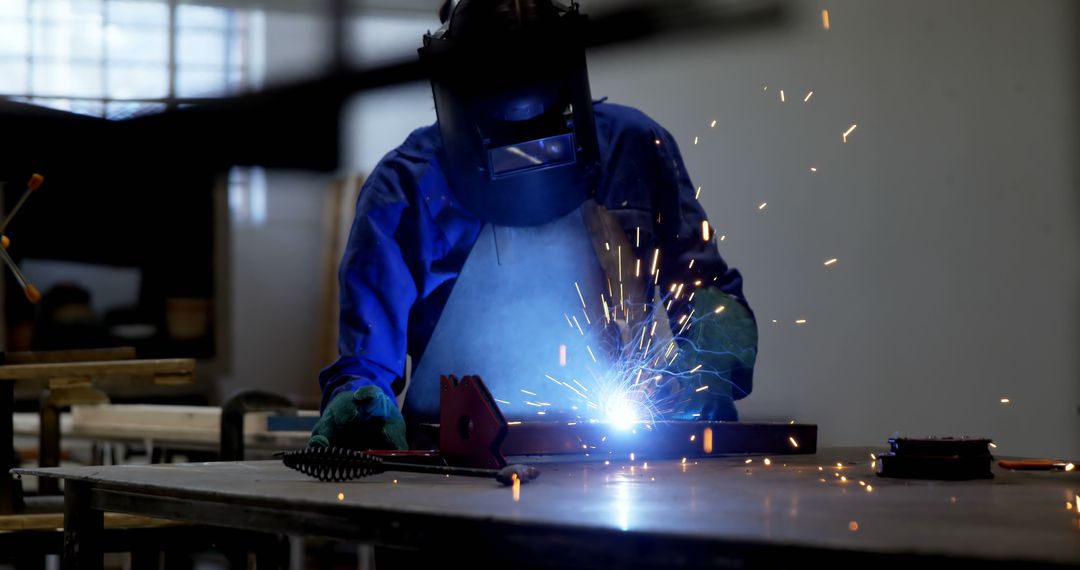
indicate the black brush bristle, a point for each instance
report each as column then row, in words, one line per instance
column 332, row 463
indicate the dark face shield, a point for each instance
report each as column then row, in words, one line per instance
column 515, row 114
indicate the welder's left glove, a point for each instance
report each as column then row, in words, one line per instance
column 718, row 351
column 364, row 419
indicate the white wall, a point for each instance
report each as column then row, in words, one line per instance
column 953, row 210
column 275, row 259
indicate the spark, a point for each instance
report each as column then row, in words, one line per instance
column 825, row 19
column 524, row 391
column 589, row 348
column 697, row 194
column 645, row 466
column 693, row 437
column 869, row 488
column 705, row 230
column 722, row 238
column 853, row 526
column 570, row 324
column 800, row 321
column 513, row 423
column 619, row 255
column 541, row 413
column 691, row 266
column 562, row 352
column 517, row 487
column 695, row 140
column 395, row 481
column 580, row 384
column 638, row 244
column 341, row 496
column 748, row 461
column 1004, row 400
column 1070, row 466
column 843, row 479
column 607, row 311
column 712, row 125
column 808, row 96
column 579, row 330
column 849, row 131
column 813, row 169
column 763, row 205
column 637, row 268
column 993, row 445
column 782, row 98
column 793, row 442
column 706, row 440
column 831, row 262
column 574, row 390
column 631, row 456
column 504, row 402
column 767, row 461
column 549, row 377
column 703, row 388
column 683, row 460
column 580, row 296
column 873, row 457
column 719, row 310
column 657, row 142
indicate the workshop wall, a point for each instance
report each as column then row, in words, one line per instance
column 952, row 210
column 276, row 243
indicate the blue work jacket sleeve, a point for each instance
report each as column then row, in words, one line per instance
column 378, row 289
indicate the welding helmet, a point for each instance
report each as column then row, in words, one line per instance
column 512, row 97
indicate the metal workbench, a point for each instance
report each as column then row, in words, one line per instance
column 720, row 512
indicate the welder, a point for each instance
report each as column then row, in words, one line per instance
column 530, row 237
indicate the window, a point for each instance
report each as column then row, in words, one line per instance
column 120, row 58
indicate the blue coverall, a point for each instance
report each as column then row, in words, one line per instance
column 410, row 239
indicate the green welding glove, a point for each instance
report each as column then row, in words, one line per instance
column 362, row 420
column 717, row 359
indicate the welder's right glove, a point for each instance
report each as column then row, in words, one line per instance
column 362, row 420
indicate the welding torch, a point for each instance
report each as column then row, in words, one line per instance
column 32, row 294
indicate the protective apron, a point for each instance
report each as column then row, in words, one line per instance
column 527, row 315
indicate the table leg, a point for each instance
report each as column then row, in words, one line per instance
column 9, row 499
column 83, row 527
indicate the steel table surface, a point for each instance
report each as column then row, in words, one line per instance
column 714, row 512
